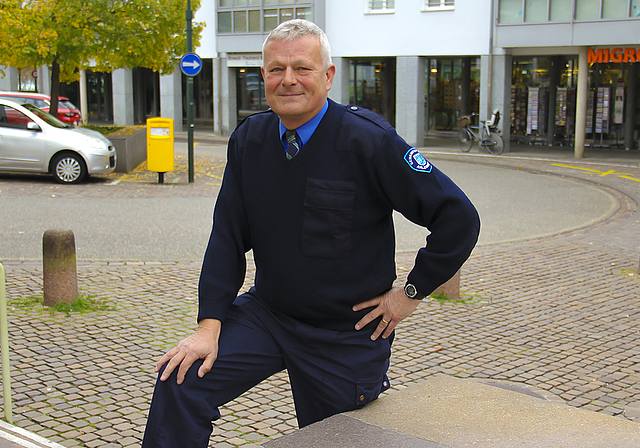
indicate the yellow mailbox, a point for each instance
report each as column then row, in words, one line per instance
column 160, row 146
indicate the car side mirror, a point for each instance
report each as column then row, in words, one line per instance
column 33, row 126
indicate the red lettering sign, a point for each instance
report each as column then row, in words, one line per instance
column 615, row 55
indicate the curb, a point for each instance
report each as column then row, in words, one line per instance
column 24, row 438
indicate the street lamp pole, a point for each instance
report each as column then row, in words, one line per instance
column 189, row 17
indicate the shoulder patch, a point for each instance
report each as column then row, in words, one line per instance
column 417, row 161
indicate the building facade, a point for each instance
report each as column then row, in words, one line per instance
column 560, row 71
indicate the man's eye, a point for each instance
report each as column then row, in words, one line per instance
column 274, row 70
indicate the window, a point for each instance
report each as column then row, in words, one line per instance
column 587, row 9
column 511, row 11
column 377, row 6
column 615, row 9
column 536, row 11
column 224, row 22
column 239, row 21
column 439, row 4
column 560, row 10
column 254, row 21
column 247, row 16
column 270, row 19
column 12, row 118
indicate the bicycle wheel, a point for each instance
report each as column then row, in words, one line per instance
column 494, row 143
column 465, row 140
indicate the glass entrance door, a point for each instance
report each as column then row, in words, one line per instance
column 372, row 85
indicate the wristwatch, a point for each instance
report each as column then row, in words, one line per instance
column 412, row 292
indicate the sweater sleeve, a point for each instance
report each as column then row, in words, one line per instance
column 427, row 197
column 224, row 265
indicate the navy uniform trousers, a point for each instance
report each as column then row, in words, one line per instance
column 330, row 372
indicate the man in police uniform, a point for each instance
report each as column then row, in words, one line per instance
column 310, row 187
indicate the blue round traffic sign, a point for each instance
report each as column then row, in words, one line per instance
column 190, row 64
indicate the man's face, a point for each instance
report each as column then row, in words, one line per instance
column 296, row 83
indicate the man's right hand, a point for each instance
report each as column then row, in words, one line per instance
column 203, row 344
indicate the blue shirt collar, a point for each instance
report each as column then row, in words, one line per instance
column 306, row 130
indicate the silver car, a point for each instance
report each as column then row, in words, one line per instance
column 34, row 141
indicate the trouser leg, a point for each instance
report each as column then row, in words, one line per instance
column 181, row 415
column 333, row 372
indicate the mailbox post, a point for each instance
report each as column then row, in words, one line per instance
column 160, row 146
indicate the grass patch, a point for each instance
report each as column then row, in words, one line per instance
column 631, row 273
column 465, row 299
column 83, row 304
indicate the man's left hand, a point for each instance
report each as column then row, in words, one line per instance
column 392, row 306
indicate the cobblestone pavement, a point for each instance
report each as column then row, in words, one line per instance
column 558, row 314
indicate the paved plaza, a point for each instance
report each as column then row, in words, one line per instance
column 552, row 308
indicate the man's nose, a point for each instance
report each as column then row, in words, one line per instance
column 289, row 76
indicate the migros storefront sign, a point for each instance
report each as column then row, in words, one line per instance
column 616, row 55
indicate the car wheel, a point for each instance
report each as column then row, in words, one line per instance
column 69, row 168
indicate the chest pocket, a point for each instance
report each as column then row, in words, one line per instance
column 328, row 218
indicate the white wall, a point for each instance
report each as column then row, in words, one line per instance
column 408, row 31
column 207, row 14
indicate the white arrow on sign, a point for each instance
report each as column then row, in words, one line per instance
column 192, row 64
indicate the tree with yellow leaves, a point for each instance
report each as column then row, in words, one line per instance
column 105, row 35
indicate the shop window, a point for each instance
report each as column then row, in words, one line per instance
column 635, row 8
column 372, row 86
column 543, row 99
column 250, row 92
column 452, row 89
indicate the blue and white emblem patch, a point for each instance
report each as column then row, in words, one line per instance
column 417, row 161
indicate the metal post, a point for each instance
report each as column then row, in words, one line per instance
column 189, row 17
column 4, row 346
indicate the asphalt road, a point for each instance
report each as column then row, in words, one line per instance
column 117, row 224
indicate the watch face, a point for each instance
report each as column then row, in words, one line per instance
column 410, row 290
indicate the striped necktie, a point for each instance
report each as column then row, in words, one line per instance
column 293, row 143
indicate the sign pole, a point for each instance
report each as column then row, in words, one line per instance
column 189, row 17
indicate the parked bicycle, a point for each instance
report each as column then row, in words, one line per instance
column 486, row 134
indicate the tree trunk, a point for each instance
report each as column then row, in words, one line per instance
column 55, row 87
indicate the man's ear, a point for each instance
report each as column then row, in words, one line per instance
column 330, row 74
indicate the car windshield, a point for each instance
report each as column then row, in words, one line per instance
column 49, row 119
column 68, row 104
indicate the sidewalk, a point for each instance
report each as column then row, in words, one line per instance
column 558, row 314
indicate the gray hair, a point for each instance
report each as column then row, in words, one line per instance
column 296, row 29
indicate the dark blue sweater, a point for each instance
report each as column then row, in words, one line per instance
column 320, row 225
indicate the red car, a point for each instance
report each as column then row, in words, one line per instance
column 67, row 112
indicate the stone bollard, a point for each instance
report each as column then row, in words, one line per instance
column 59, row 266
column 451, row 289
